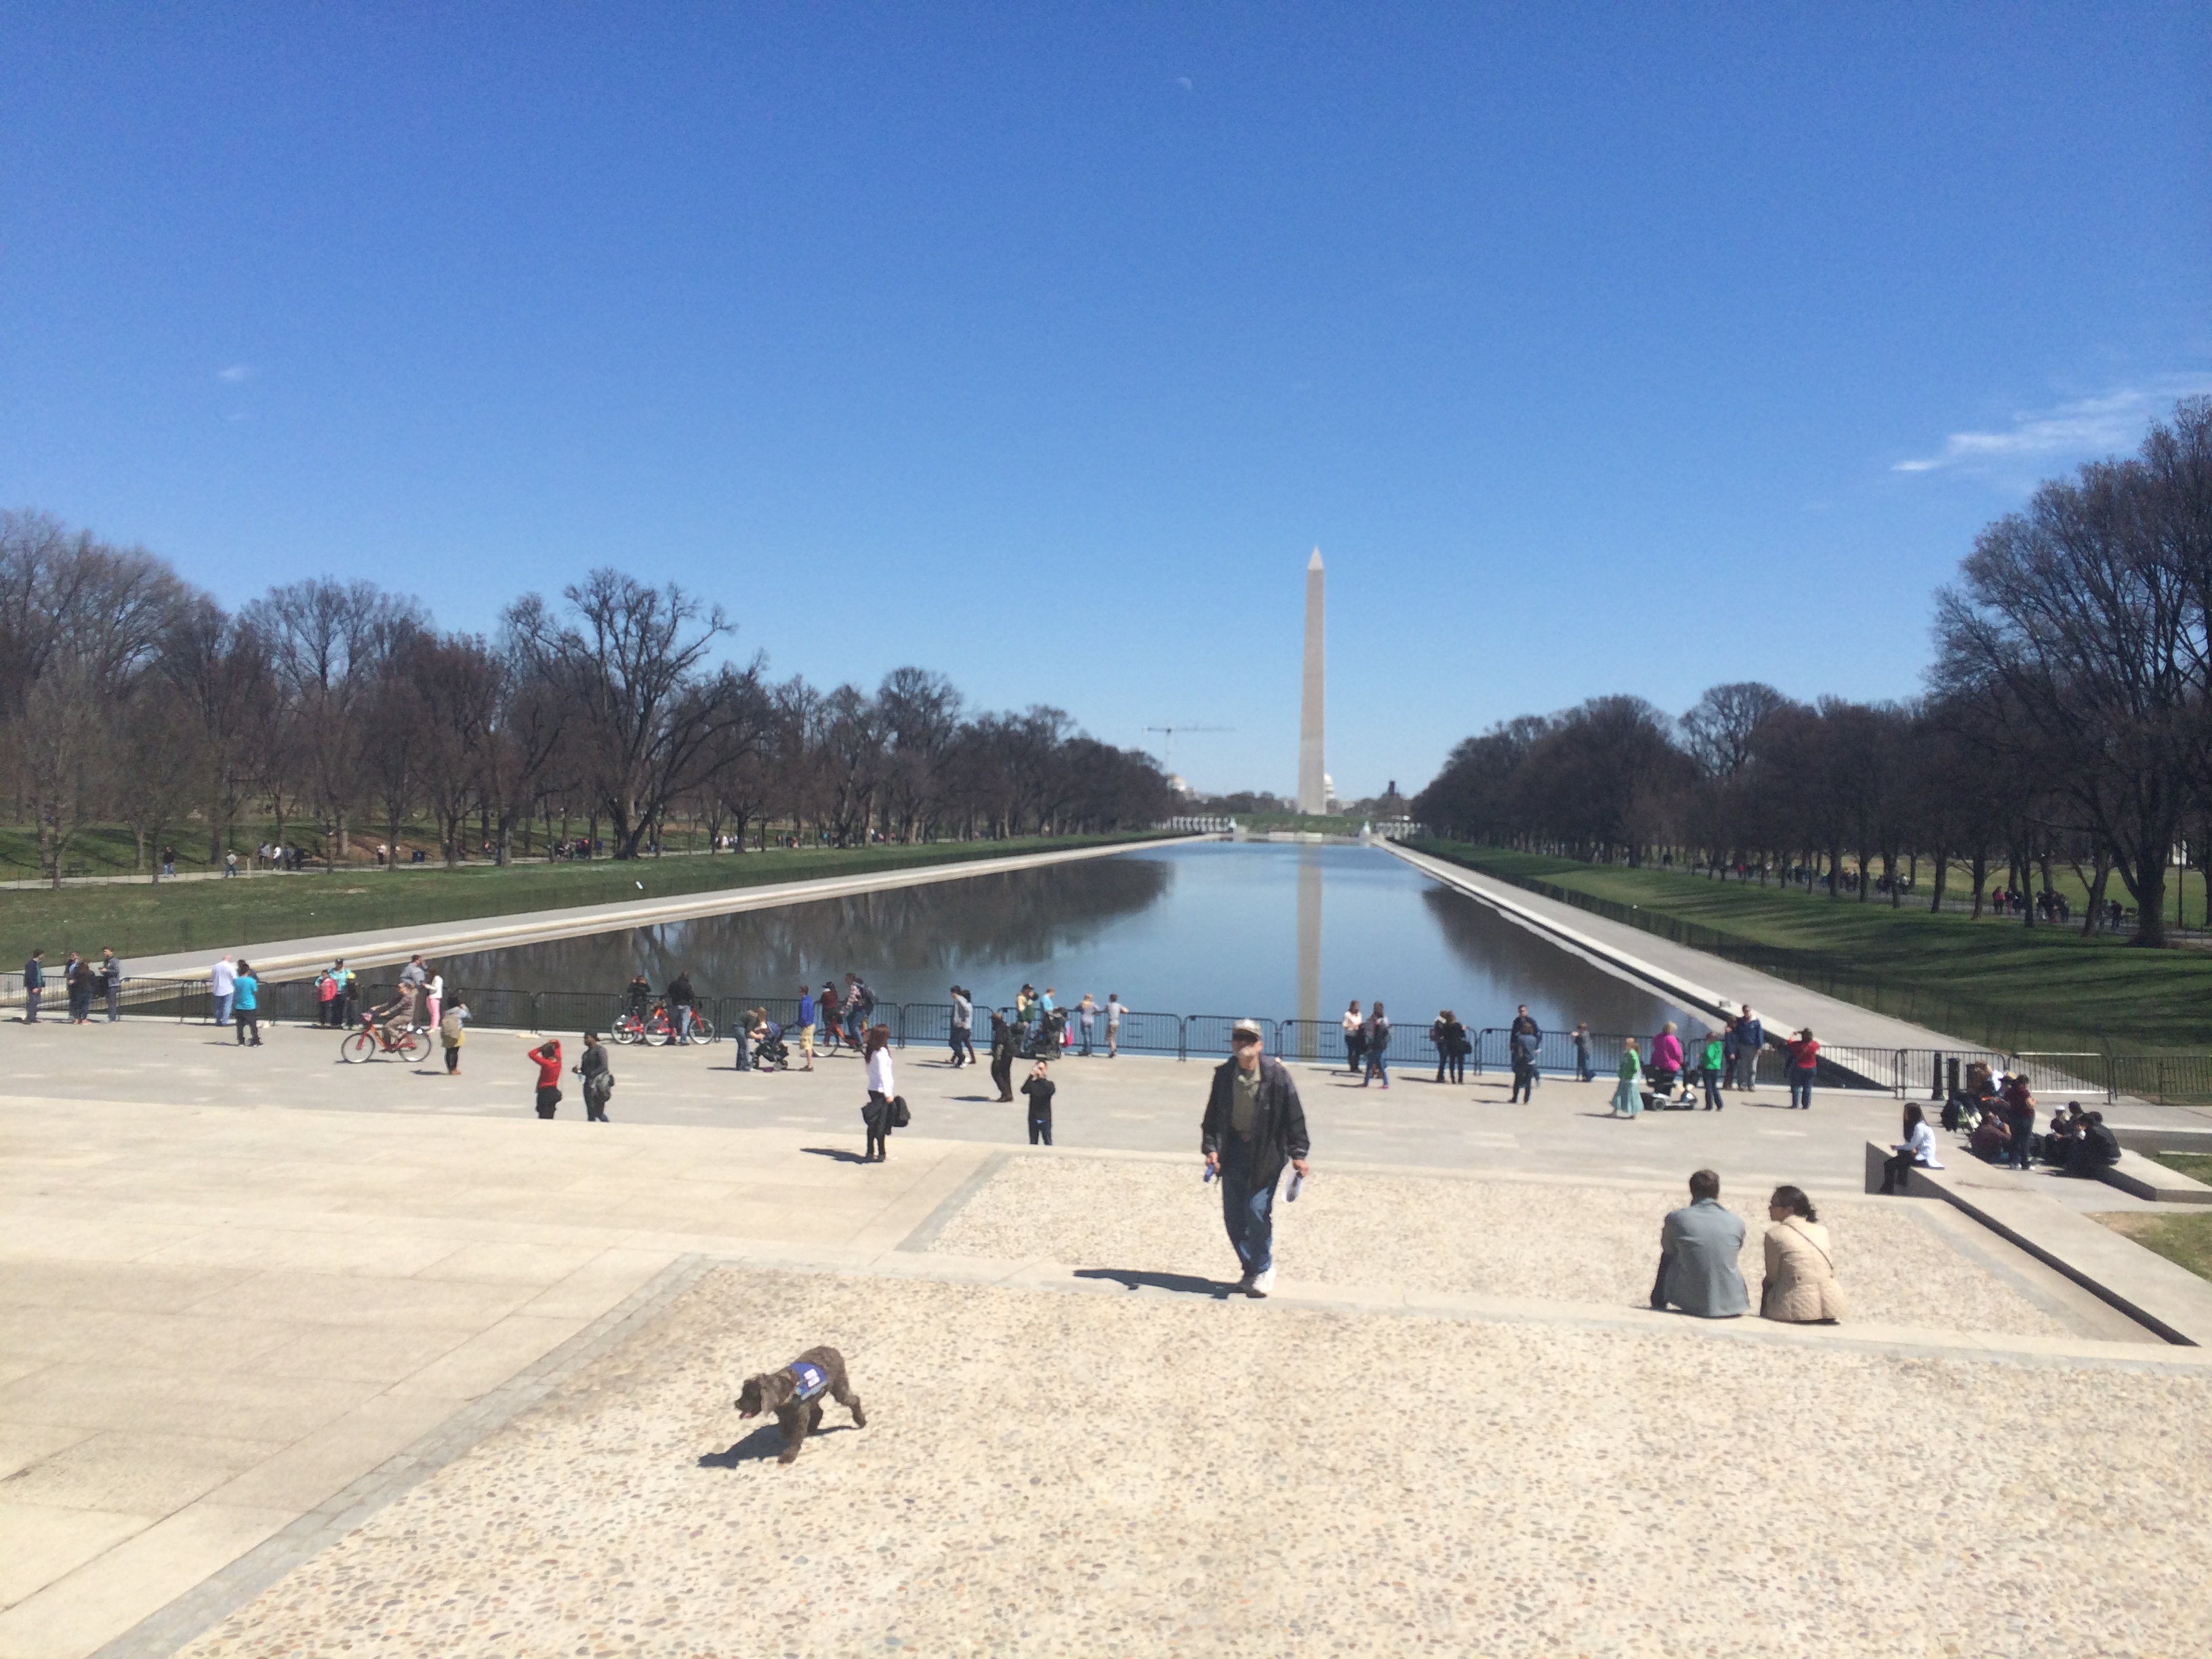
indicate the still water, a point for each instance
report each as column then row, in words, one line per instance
column 1273, row 930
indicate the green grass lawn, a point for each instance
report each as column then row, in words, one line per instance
column 2013, row 987
column 144, row 918
column 2184, row 1239
column 2197, row 1166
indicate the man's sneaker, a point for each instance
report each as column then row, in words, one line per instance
column 1261, row 1283
column 1244, row 1286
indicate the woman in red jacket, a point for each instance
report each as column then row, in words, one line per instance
column 548, row 1076
column 1804, row 1061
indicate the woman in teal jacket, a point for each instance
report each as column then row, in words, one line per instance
column 1627, row 1094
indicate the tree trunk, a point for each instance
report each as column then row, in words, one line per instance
column 1981, row 879
column 1942, row 870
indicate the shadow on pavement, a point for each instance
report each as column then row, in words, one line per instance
column 1132, row 1278
column 838, row 1152
column 761, row 1445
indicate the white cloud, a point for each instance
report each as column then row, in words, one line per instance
column 2084, row 427
column 234, row 374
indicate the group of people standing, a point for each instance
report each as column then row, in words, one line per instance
column 80, row 980
column 1367, row 1043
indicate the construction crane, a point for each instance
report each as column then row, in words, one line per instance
column 1167, row 756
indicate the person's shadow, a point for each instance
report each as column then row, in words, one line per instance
column 760, row 1446
column 838, row 1152
column 1134, row 1279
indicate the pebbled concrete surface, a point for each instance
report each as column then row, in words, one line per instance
column 1566, row 1244
column 1054, row 1475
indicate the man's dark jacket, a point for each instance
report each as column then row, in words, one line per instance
column 1279, row 1120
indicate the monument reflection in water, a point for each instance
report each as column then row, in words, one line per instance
column 1268, row 929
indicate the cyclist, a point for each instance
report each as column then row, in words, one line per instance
column 381, row 1018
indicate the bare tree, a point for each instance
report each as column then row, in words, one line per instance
column 2068, row 611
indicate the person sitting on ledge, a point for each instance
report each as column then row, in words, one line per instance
column 2058, row 1146
column 1800, row 1287
column 2096, row 1150
column 1918, row 1147
column 1698, row 1245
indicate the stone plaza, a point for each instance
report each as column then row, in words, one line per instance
column 304, row 1357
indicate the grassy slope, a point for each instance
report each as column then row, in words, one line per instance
column 2185, row 1239
column 140, row 919
column 2015, row 986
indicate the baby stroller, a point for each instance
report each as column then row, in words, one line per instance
column 1046, row 1038
column 771, row 1052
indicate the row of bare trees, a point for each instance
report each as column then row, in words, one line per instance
column 2067, row 721
column 336, row 709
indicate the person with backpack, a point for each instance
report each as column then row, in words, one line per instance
column 452, row 1032
column 548, row 1057
column 879, row 1114
column 598, row 1075
column 1378, row 1048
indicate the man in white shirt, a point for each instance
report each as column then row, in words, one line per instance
column 223, row 978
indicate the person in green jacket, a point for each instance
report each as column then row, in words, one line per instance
column 1628, row 1093
column 1714, row 1064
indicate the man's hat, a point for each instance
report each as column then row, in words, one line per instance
column 1247, row 1027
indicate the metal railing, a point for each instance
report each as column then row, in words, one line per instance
column 1927, row 1073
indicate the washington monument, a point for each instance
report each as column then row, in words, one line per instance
column 1313, row 781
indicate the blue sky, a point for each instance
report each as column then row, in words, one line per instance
column 1599, row 349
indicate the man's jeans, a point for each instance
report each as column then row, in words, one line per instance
column 683, row 1022
column 31, row 1006
column 223, row 1009
column 114, row 1003
column 1249, row 1215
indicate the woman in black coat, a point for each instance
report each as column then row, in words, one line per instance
column 1002, row 1056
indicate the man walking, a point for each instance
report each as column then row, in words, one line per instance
column 1525, row 1027
column 963, row 1027
column 1750, row 1040
column 34, row 980
column 222, row 980
column 1254, row 1123
column 806, row 1027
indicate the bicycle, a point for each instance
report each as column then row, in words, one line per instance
column 660, row 1027
column 364, row 1044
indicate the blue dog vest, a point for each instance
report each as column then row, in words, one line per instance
column 812, row 1379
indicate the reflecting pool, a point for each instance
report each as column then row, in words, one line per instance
column 1271, row 929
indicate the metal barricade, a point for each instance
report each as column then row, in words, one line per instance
column 1309, row 1040
column 578, row 1011
column 2057, row 1073
column 2162, row 1079
column 1205, row 1037
column 1145, row 1033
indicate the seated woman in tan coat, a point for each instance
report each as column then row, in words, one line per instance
column 1801, row 1270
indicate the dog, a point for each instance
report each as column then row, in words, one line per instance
column 795, row 1394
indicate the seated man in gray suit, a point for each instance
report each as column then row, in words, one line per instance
column 1697, row 1251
